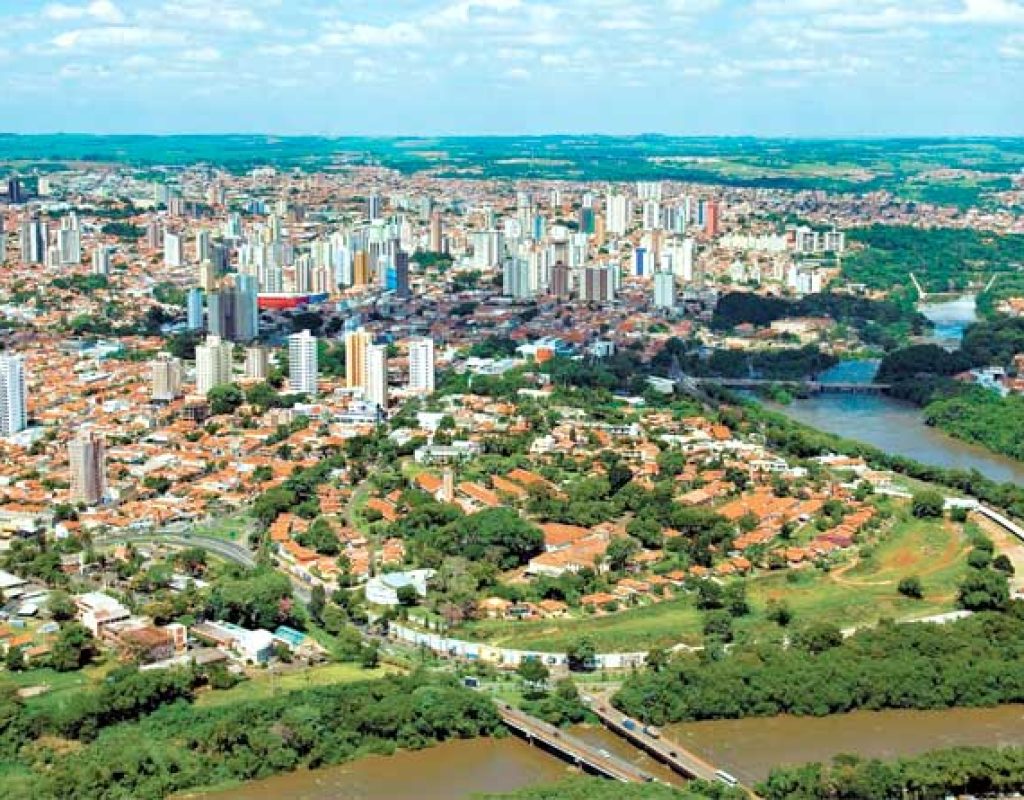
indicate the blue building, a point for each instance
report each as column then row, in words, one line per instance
column 195, row 309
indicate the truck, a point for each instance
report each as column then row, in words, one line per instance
column 628, row 724
column 651, row 731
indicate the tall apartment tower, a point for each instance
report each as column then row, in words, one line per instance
column 172, row 249
column 257, row 363
column 375, row 389
column 303, row 372
column 436, row 232
column 361, row 268
column 665, row 290
column 101, row 260
column 356, row 343
column 13, row 396
column 165, row 372
column 213, row 364
column 421, row 365
column 87, row 456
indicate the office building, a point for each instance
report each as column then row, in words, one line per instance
column 87, row 457
column 165, row 373
column 356, row 343
column 375, row 390
column 421, row 365
column 13, row 395
column 303, row 372
column 213, row 364
column 257, row 363
column 33, row 238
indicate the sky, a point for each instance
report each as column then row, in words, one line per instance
column 803, row 68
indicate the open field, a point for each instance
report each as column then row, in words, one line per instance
column 855, row 593
column 57, row 687
column 233, row 527
column 266, row 684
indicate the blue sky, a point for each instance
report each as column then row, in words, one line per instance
column 337, row 67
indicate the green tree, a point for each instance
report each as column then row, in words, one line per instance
column 911, row 587
column 581, row 654
column 225, row 398
column 927, row 503
column 60, row 605
column 73, row 649
column 533, row 672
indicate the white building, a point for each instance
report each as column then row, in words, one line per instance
column 665, row 290
column 619, row 212
column 303, row 370
column 101, row 260
column 97, row 610
column 165, row 371
column 421, row 365
column 13, row 396
column 213, row 364
column 376, row 388
column 383, row 589
column 172, row 249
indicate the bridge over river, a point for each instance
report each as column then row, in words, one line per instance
column 808, row 387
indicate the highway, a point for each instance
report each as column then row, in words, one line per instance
column 569, row 747
column 677, row 757
column 229, row 551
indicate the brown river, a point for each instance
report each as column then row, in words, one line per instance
column 746, row 748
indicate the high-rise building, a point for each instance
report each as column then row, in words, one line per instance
column 599, row 283
column 33, row 238
column 87, row 457
column 69, row 241
column 515, row 279
column 402, row 274
column 194, row 306
column 213, row 364
column 664, row 290
column 13, row 396
column 436, row 232
column 356, row 343
column 165, row 371
column 361, row 268
column 303, row 371
column 15, row 194
column 172, row 249
column 207, row 278
column 257, row 363
column 421, row 365
column 374, row 207
column 619, row 211
column 233, row 312
column 560, row 280
column 101, row 260
column 711, row 218
column 375, row 390
column 203, row 246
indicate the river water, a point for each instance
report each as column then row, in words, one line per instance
column 747, row 748
column 899, row 427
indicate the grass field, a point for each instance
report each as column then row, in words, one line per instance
column 60, row 685
column 267, row 684
column 233, row 527
column 856, row 593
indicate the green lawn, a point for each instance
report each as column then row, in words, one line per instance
column 233, row 527
column 60, row 685
column 857, row 593
column 266, row 684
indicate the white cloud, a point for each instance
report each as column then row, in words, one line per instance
column 348, row 35
column 116, row 36
column 1012, row 47
column 517, row 74
column 202, row 55
column 100, row 10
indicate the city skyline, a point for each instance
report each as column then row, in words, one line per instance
column 805, row 68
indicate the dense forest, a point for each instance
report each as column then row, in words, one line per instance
column 962, row 771
column 878, row 322
column 942, row 259
column 154, row 743
column 923, row 374
column 974, row 662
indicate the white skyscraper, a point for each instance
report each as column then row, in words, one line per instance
column 376, row 388
column 213, row 364
column 421, row 365
column 172, row 249
column 664, row 290
column 303, row 371
column 13, row 397
column 69, row 241
column 619, row 212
